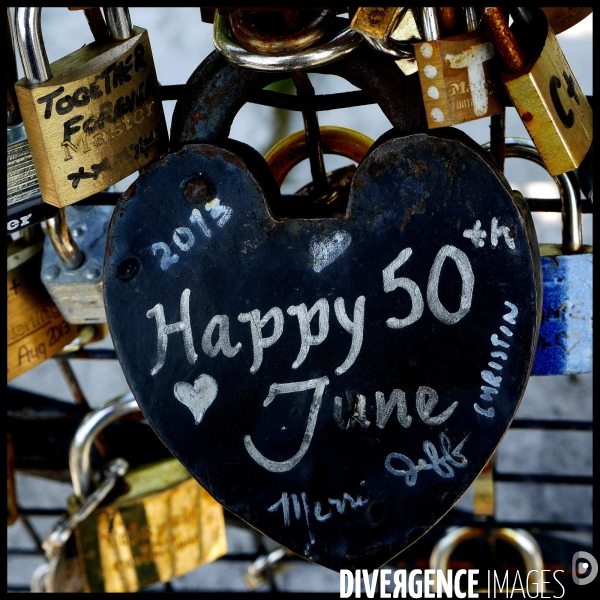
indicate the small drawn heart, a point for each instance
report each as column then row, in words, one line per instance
column 197, row 397
column 325, row 250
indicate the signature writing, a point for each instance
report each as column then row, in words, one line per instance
column 442, row 466
column 340, row 506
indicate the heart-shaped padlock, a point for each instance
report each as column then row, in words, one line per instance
column 337, row 383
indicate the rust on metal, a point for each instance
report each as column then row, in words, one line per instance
column 447, row 15
column 496, row 24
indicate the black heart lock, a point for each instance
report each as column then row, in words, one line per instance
column 337, row 383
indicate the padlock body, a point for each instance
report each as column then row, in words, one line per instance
column 166, row 525
column 96, row 121
column 457, row 80
column 36, row 330
column 565, row 341
column 78, row 293
column 551, row 105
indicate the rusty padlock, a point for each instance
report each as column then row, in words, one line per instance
column 542, row 86
column 94, row 116
column 265, row 327
column 458, row 77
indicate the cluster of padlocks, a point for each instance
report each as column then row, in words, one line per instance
column 416, row 275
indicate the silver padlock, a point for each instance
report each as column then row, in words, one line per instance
column 73, row 260
column 63, row 572
column 24, row 203
column 565, row 339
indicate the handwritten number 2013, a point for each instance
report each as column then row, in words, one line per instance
column 390, row 283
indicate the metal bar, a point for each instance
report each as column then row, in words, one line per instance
column 551, row 479
column 92, row 354
column 72, row 382
column 552, row 424
column 314, row 146
column 31, row 531
column 497, row 138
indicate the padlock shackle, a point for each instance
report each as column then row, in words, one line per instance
column 119, row 23
column 31, row 43
column 431, row 28
column 321, row 54
column 217, row 90
column 521, row 539
column 63, row 242
column 568, row 188
column 79, row 451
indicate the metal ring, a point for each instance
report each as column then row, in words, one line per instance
column 292, row 149
column 92, row 424
column 338, row 47
column 63, row 242
column 31, row 44
column 521, row 539
column 255, row 40
column 568, row 188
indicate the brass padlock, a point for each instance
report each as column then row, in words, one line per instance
column 94, row 116
column 521, row 539
column 155, row 525
column 457, row 77
column 36, row 330
column 542, row 86
column 72, row 262
column 293, row 149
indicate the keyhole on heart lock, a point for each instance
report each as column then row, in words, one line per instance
column 128, row 269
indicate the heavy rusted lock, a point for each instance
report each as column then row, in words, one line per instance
column 542, row 86
column 326, row 379
column 458, row 76
column 94, row 116
column 36, row 330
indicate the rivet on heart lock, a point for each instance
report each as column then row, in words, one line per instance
column 337, row 383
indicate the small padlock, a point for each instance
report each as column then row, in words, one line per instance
column 155, row 525
column 94, row 116
column 72, row 262
column 565, row 340
column 457, row 74
column 542, row 86
column 36, row 329
column 521, row 539
column 293, row 149
column 25, row 206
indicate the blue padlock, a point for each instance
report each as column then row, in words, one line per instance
column 565, row 339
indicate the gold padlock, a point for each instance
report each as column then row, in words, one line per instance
column 542, row 86
column 458, row 81
column 293, row 149
column 94, row 116
column 36, row 330
column 158, row 523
